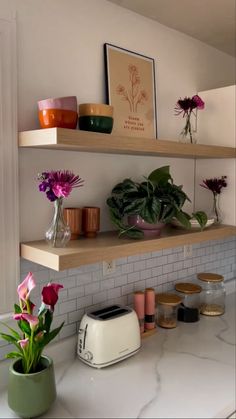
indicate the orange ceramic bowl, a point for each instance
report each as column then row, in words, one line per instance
column 60, row 118
column 95, row 109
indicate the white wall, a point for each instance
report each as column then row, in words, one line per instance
column 216, row 125
column 60, row 52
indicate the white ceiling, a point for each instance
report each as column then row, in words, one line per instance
column 210, row 21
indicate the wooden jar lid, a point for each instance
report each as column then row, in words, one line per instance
column 209, row 277
column 188, row 288
column 168, row 299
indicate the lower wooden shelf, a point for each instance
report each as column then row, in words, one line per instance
column 108, row 246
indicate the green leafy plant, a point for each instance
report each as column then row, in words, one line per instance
column 155, row 199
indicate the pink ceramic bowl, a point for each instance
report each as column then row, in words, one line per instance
column 149, row 230
column 68, row 103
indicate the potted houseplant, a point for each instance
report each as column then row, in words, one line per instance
column 32, row 373
column 138, row 208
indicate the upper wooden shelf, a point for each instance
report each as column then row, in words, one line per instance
column 107, row 246
column 76, row 140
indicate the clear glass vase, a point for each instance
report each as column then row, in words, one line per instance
column 58, row 233
column 216, row 211
column 188, row 134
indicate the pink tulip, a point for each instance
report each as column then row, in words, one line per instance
column 25, row 288
column 32, row 320
column 50, row 294
column 23, row 343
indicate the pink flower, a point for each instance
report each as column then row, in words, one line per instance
column 199, row 102
column 32, row 320
column 50, row 294
column 23, row 343
column 62, row 190
column 25, row 288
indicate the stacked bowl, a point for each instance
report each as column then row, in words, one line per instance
column 96, row 117
column 60, row 112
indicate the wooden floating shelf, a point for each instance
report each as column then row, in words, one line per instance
column 76, row 140
column 108, row 246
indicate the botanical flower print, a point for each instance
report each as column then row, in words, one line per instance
column 133, row 94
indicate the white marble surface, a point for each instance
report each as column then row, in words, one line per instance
column 187, row 372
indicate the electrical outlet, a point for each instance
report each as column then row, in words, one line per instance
column 108, row 267
column 188, row 251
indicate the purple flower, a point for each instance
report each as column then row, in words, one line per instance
column 214, row 184
column 58, row 184
column 187, row 105
column 199, row 102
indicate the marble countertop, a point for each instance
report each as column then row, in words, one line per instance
column 187, row 372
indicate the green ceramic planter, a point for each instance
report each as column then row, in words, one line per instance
column 96, row 123
column 31, row 395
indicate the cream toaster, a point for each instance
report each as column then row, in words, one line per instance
column 108, row 335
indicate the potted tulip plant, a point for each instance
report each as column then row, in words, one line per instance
column 147, row 206
column 32, row 373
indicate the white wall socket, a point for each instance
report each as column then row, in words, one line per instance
column 188, row 251
column 108, row 267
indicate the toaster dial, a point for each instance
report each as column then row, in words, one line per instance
column 88, row 356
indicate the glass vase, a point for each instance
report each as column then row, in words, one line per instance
column 58, row 233
column 188, row 134
column 216, row 211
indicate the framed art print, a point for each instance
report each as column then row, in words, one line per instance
column 130, row 83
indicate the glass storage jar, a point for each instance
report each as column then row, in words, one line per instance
column 189, row 308
column 213, row 294
column 167, row 304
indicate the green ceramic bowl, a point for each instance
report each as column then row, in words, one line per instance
column 96, row 123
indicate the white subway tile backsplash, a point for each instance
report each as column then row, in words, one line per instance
column 84, row 278
column 101, row 297
column 85, row 288
column 84, row 302
column 147, row 273
column 67, row 307
column 114, row 293
column 76, row 292
column 133, row 277
column 92, row 288
column 121, row 280
column 128, row 268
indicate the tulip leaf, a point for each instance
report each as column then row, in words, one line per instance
column 14, row 355
column 14, row 332
column 50, row 336
column 8, row 338
column 17, row 309
column 25, row 327
column 48, row 320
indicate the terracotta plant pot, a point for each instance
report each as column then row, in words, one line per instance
column 90, row 221
column 31, row 395
column 73, row 217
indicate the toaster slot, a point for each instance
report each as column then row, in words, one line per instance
column 104, row 310
column 113, row 314
column 85, row 334
column 109, row 312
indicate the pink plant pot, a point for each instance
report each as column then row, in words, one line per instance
column 149, row 230
column 68, row 103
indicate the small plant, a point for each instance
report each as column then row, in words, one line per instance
column 35, row 331
column 156, row 199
